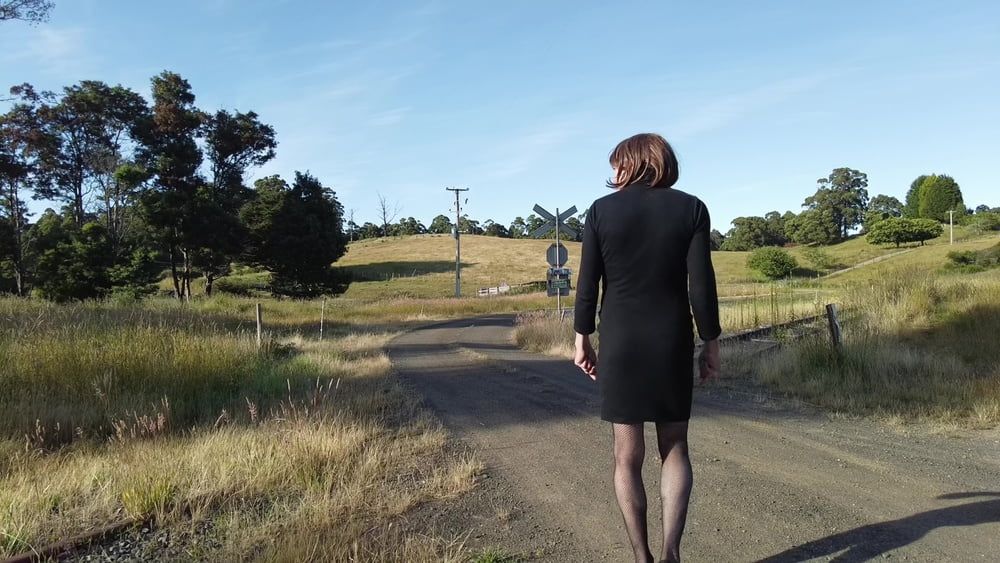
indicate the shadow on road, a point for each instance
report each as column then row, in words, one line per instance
column 866, row 542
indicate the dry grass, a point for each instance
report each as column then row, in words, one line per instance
column 917, row 347
column 545, row 333
column 170, row 411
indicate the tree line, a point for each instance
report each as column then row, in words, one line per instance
column 841, row 204
column 519, row 228
column 149, row 189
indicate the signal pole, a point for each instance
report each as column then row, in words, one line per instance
column 951, row 226
column 458, row 240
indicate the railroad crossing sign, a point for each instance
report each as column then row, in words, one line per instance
column 556, row 256
column 553, row 222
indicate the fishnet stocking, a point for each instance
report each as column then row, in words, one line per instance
column 676, row 480
column 675, row 485
column 630, row 449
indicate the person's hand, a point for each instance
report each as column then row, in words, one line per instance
column 585, row 357
column 709, row 361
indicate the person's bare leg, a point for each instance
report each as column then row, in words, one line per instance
column 630, row 449
column 675, row 485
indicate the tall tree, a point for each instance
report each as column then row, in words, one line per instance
column 175, row 203
column 469, row 226
column 747, row 233
column 234, row 143
column 19, row 141
column 532, row 223
column 518, row 228
column 32, row 11
column 882, row 207
column 937, row 195
column 493, row 229
column 844, row 196
column 86, row 131
column 441, row 225
column 296, row 233
column 911, row 209
column 813, row 226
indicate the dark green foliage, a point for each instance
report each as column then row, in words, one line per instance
column 882, row 207
column 972, row 261
column 899, row 230
column 469, row 226
column 772, row 262
column 441, row 225
column 71, row 261
column 813, row 226
column 408, row 226
column 749, row 233
column 532, row 223
column 296, row 233
column 576, row 225
column 842, row 198
column 937, row 196
column 518, row 228
column 492, row 229
column 911, row 209
column 717, row 239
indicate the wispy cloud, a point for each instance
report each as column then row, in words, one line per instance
column 727, row 109
column 53, row 50
column 522, row 152
column 388, row 117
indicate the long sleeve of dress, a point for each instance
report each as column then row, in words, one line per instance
column 589, row 279
column 701, row 278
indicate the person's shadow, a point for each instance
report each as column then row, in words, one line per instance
column 867, row 542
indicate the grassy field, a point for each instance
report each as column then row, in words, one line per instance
column 167, row 410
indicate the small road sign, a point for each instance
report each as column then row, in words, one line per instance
column 556, row 256
column 559, row 282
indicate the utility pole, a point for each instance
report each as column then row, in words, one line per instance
column 951, row 226
column 458, row 240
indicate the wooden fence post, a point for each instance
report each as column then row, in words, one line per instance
column 322, row 318
column 260, row 327
column 834, row 323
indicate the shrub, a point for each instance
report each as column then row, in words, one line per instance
column 772, row 262
column 972, row 261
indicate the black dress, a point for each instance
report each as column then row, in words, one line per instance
column 651, row 248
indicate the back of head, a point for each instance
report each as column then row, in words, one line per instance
column 646, row 158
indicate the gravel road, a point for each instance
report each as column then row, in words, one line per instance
column 774, row 481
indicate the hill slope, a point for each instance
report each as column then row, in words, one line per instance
column 424, row 265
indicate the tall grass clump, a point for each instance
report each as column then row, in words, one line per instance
column 916, row 346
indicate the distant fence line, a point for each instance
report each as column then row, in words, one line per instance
column 511, row 289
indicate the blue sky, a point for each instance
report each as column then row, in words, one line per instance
column 522, row 101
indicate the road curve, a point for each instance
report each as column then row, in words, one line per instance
column 773, row 482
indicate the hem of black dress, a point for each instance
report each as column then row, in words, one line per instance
column 639, row 421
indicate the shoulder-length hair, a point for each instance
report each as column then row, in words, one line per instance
column 646, row 158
